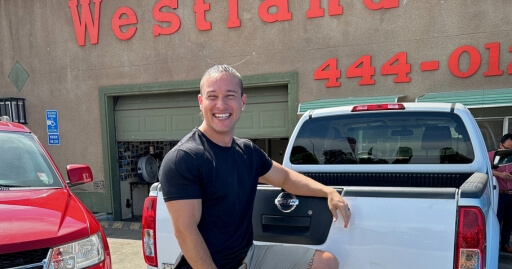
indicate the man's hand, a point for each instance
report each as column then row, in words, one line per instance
column 337, row 203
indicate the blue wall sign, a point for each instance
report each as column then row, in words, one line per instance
column 54, row 139
column 52, row 121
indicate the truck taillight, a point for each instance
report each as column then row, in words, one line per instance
column 148, row 231
column 470, row 241
column 376, row 107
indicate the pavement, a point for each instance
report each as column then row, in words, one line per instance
column 131, row 225
column 124, row 240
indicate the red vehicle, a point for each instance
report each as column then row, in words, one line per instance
column 42, row 224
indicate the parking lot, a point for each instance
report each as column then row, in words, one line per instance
column 125, row 244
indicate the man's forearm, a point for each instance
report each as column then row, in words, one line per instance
column 194, row 248
column 185, row 215
column 299, row 184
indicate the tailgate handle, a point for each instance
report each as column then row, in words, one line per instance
column 286, row 221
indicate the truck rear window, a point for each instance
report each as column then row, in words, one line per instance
column 383, row 138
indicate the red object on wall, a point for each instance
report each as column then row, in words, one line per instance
column 362, row 68
column 494, row 60
column 329, row 70
column 171, row 18
column 233, row 20
column 429, row 66
column 474, row 61
column 117, row 22
column 509, row 71
column 381, row 4
column 398, row 66
column 315, row 9
column 282, row 14
column 86, row 21
column 200, row 9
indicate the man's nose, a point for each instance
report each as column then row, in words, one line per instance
column 221, row 103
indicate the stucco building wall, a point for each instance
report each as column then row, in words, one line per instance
column 40, row 35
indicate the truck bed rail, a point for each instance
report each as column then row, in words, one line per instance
column 428, row 180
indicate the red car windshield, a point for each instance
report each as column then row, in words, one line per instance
column 23, row 163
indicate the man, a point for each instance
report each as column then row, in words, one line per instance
column 209, row 182
column 504, row 179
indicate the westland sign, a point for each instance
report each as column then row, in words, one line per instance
column 125, row 16
column 271, row 11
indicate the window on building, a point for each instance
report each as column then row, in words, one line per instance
column 493, row 129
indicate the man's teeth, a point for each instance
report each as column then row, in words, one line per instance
column 222, row 116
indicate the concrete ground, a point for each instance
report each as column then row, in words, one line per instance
column 124, row 240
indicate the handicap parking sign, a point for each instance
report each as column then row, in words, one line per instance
column 52, row 121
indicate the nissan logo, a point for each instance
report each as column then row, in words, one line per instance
column 286, row 202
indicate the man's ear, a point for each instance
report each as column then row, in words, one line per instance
column 244, row 100
column 200, row 101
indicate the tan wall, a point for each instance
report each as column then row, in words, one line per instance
column 64, row 76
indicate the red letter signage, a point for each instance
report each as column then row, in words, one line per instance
column 381, row 4
column 282, row 13
column 509, row 69
column 117, row 22
column 329, row 70
column 494, row 60
column 474, row 61
column 86, row 21
column 362, row 68
column 398, row 66
column 171, row 18
column 315, row 9
column 234, row 20
column 200, row 9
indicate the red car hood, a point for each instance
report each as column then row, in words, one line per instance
column 32, row 219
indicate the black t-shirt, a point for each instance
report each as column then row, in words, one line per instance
column 225, row 179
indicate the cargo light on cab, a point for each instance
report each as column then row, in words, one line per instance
column 376, row 107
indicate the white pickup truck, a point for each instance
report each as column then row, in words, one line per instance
column 417, row 177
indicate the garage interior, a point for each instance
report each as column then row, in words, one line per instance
column 149, row 125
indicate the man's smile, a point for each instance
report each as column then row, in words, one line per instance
column 222, row 116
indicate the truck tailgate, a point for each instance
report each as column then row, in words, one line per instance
column 390, row 227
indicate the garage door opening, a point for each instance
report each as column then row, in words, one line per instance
column 148, row 126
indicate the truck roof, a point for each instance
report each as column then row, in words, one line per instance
column 410, row 106
column 13, row 127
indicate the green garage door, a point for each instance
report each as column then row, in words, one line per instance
column 170, row 116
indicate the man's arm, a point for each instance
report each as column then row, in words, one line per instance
column 504, row 175
column 185, row 215
column 299, row 184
